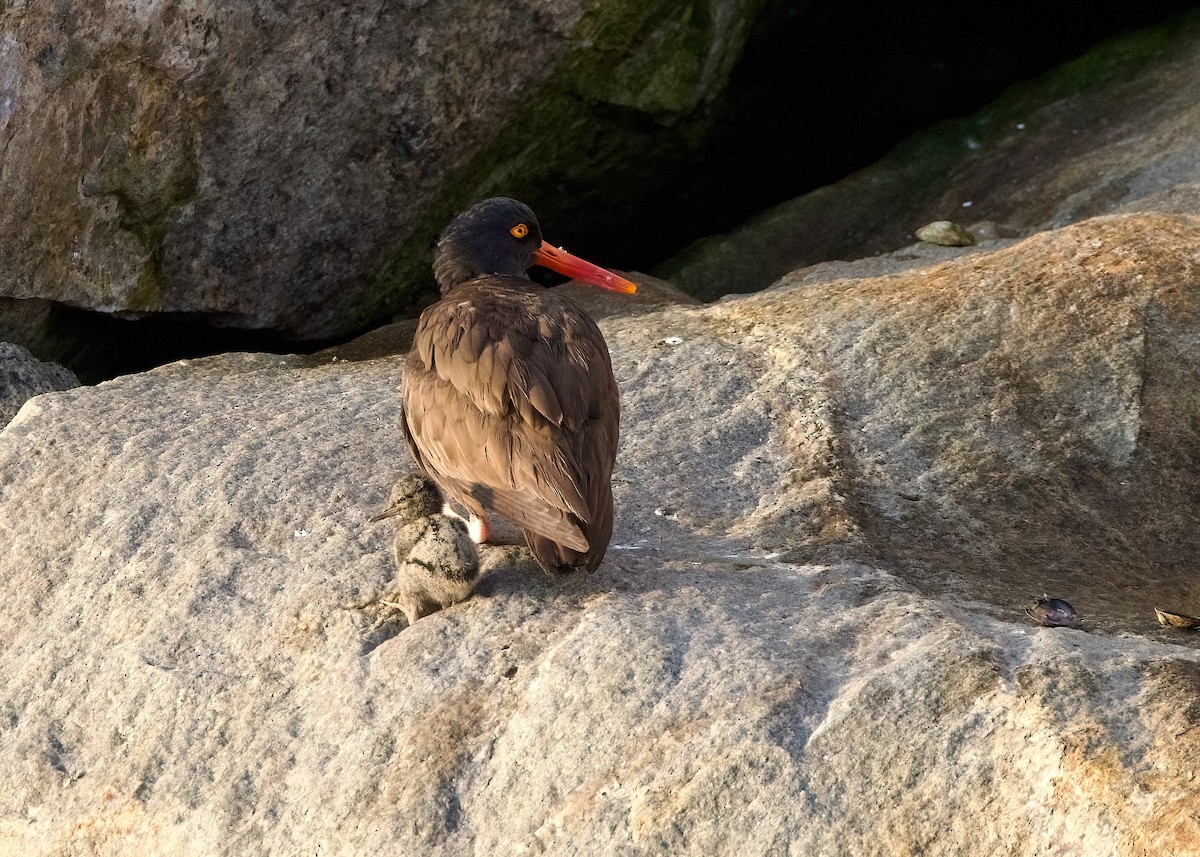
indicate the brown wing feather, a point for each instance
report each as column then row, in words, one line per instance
column 511, row 407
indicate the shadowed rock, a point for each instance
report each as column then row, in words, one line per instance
column 1115, row 130
column 22, row 376
column 287, row 170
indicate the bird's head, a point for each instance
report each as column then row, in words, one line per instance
column 412, row 497
column 503, row 236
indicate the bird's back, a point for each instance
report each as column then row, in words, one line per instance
column 511, row 406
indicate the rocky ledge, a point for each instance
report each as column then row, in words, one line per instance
column 835, row 497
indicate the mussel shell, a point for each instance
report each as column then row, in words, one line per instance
column 1053, row 613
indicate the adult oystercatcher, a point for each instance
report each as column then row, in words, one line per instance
column 510, row 404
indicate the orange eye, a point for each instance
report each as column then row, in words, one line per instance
column 519, row 231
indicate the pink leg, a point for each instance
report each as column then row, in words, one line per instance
column 477, row 525
column 477, row 528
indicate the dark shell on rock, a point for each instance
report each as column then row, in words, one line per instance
column 1053, row 613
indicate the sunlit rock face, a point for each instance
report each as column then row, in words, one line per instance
column 834, row 501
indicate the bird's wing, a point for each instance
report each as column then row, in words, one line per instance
column 503, row 399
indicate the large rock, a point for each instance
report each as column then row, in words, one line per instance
column 833, row 500
column 287, row 168
column 22, row 377
column 1116, row 130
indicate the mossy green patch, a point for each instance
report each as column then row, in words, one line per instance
column 151, row 183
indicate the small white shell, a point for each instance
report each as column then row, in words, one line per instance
column 1177, row 620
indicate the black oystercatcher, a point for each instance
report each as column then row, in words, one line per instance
column 510, row 404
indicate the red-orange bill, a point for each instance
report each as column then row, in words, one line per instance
column 578, row 269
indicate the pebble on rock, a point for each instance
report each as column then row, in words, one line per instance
column 945, row 233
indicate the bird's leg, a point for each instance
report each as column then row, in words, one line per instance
column 477, row 529
column 477, row 525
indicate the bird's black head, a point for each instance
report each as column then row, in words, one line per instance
column 496, row 236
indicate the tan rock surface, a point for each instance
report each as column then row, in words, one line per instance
column 833, row 502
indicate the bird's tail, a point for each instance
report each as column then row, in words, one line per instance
column 560, row 559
